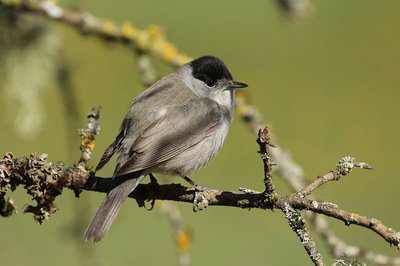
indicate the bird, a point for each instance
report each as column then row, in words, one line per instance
column 174, row 127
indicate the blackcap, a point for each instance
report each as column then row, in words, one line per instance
column 174, row 127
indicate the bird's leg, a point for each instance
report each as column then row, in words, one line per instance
column 153, row 182
column 153, row 179
column 196, row 186
column 200, row 201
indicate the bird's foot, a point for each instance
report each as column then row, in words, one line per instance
column 153, row 182
column 200, row 201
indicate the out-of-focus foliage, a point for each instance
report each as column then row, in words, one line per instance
column 29, row 53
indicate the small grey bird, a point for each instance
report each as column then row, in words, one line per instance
column 175, row 127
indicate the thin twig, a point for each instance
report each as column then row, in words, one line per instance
column 332, row 210
column 295, row 219
column 88, row 136
column 298, row 225
column 292, row 173
column 343, row 167
column 263, row 141
column 79, row 172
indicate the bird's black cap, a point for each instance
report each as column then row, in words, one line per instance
column 209, row 68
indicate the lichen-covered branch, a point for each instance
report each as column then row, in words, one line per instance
column 295, row 219
column 330, row 209
column 151, row 40
column 88, row 136
column 298, row 225
column 79, row 174
column 264, row 140
column 44, row 181
column 41, row 179
column 292, row 173
column 344, row 167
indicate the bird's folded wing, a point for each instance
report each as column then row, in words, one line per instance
column 171, row 134
column 115, row 145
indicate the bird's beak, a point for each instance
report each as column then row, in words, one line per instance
column 237, row 85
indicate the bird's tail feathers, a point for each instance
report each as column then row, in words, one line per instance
column 110, row 208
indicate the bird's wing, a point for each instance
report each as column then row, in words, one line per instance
column 109, row 152
column 173, row 133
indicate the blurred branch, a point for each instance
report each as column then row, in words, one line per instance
column 69, row 101
column 151, row 40
column 145, row 69
column 181, row 233
column 296, row 9
column 26, row 42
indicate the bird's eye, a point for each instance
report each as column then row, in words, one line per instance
column 210, row 82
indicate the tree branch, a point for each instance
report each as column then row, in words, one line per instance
column 332, row 210
column 151, row 40
column 292, row 173
column 45, row 180
column 264, row 141
column 344, row 167
column 48, row 181
column 298, row 225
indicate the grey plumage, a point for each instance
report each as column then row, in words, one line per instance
column 174, row 127
column 110, row 208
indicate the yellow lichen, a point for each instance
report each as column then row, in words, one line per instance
column 88, row 141
column 108, row 26
column 353, row 214
column 129, row 31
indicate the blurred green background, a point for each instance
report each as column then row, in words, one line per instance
column 329, row 86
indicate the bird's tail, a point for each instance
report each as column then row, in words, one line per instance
column 110, row 208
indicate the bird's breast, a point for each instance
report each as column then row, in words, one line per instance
column 198, row 155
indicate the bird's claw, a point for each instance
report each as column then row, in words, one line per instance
column 152, row 203
column 200, row 201
column 153, row 182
